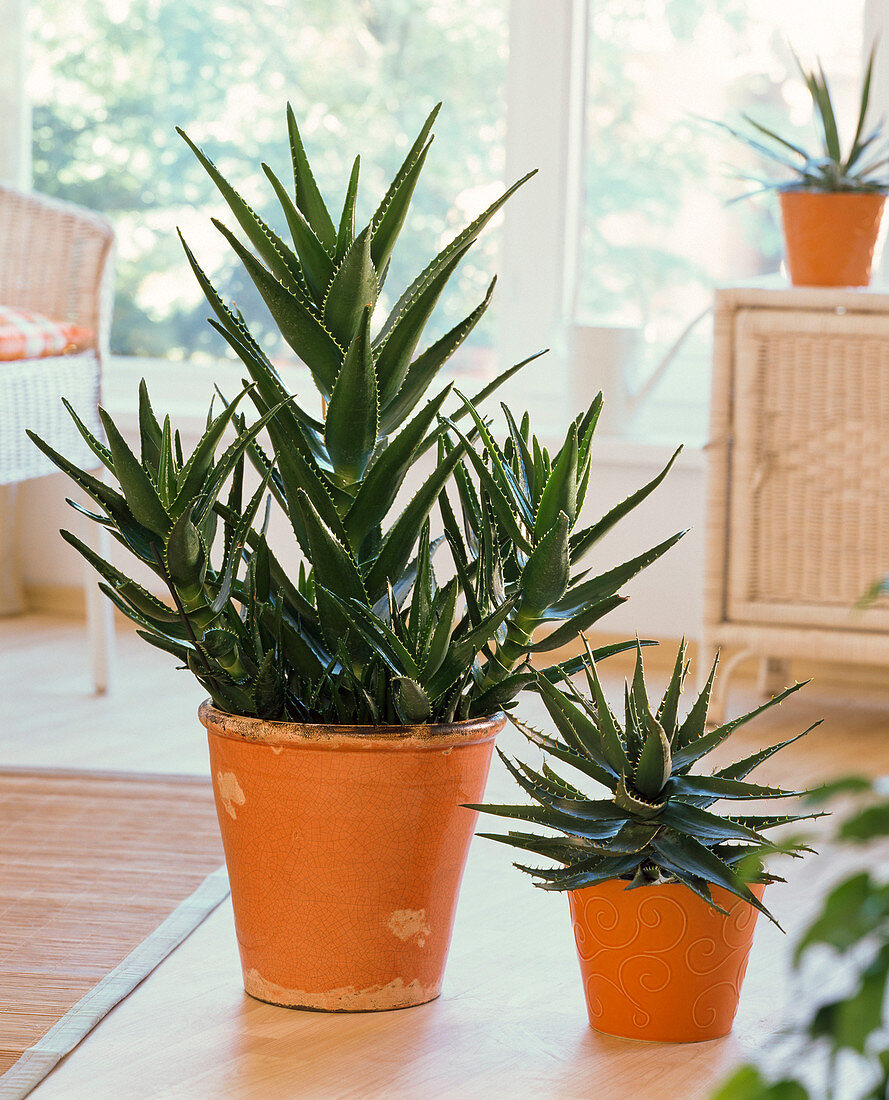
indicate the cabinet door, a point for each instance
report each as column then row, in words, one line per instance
column 809, row 474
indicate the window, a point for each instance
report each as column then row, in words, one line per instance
column 657, row 232
column 110, row 79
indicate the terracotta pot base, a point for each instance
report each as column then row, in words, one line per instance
column 376, row 999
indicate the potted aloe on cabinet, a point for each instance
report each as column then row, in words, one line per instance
column 353, row 702
column 832, row 204
column 664, row 892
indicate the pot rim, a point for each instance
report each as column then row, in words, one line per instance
column 430, row 735
column 846, row 193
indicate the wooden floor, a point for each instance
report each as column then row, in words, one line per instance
column 511, row 1020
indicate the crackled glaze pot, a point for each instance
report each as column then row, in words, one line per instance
column 345, row 848
column 658, row 963
column 830, row 237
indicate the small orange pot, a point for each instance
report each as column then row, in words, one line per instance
column 658, row 963
column 345, row 848
column 830, row 237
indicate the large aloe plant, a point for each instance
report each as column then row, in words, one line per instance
column 656, row 821
column 363, row 632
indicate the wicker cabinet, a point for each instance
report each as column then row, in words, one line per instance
column 798, row 477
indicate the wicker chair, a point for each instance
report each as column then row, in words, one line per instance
column 55, row 259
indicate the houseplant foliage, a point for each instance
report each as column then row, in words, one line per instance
column 832, row 203
column 663, row 890
column 827, row 167
column 657, row 824
column 365, row 633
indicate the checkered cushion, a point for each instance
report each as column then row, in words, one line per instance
column 26, row 335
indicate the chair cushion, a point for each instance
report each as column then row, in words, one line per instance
column 27, row 335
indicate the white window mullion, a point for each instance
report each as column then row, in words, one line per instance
column 544, row 129
column 15, row 110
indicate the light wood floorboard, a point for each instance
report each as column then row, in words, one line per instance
column 511, row 1020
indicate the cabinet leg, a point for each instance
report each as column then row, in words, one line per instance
column 12, row 595
column 774, row 675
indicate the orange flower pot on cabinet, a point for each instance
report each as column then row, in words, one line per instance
column 830, row 237
column 345, row 848
column 660, row 964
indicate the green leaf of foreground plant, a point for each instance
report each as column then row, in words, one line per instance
column 560, row 491
column 675, row 850
column 334, row 570
column 316, row 266
column 298, row 325
column 852, row 911
column 352, row 291
column 377, row 492
column 426, row 367
column 270, row 247
column 545, row 576
column 749, row 1084
column 350, row 430
column 390, row 215
column 459, row 244
column 141, row 496
column 308, row 197
column 403, row 534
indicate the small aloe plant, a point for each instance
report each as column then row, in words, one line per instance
column 363, row 632
column 656, row 823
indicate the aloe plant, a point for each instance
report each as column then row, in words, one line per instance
column 655, row 823
column 364, row 632
column 827, row 168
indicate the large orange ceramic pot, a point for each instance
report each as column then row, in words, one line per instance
column 345, row 847
column 660, row 964
column 830, row 237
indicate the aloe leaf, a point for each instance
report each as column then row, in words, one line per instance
column 313, row 265
column 379, row 635
column 168, row 645
column 299, row 326
column 692, row 751
column 653, row 768
column 193, row 474
column 578, row 729
column 334, row 570
column 560, row 491
column 352, row 291
column 270, row 247
column 140, row 493
column 594, row 873
column 705, row 826
column 545, row 575
column 186, row 558
column 345, row 234
column 776, row 137
column 686, row 855
column 584, row 540
column 378, row 490
column 400, row 540
column 742, row 768
column 411, row 701
column 396, row 347
column 426, row 366
column 712, row 786
column 99, row 449
column 389, row 216
column 350, row 430
column 149, row 429
column 308, row 197
column 503, row 474
column 606, row 584
column 458, row 244
column 669, row 706
column 134, row 593
column 576, row 625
